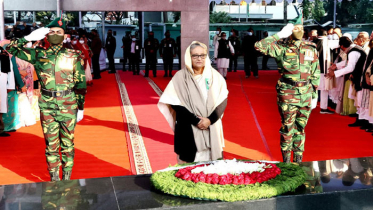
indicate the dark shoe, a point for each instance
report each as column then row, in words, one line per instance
column 66, row 175
column 247, row 76
column 353, row 115
column 235, row 70
column 366, row 125
column 112, row 72
column 256, row 77
column 4, row 134
column 165, row 75
column 357, row 123
column 98, row 77
column 229, row 70
column 225, row 78
column 154, row 75
column 297, row 158
column 326, row 111
column 369, row 130
column 146, row 75
column 55, row 176
column 124, row 70
column 286, row 155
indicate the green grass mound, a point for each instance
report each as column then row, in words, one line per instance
column 291, row 177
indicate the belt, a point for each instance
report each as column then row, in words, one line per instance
column 56, row 93
column 294, row 83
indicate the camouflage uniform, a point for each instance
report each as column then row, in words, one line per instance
column 300, row 73
column 58, row 69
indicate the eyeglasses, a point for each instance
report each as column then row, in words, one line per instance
column 203, row 56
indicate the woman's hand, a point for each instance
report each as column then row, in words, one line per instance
column 204, row 123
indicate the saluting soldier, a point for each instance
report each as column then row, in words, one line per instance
column 151, row 48
column 297, row 88
column 167, row 50
column 62, row 79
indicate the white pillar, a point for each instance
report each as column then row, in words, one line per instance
column 103, row 28
column 58, row 8
column 80, row 19
column 14, row 17
column 335, row 13
column 2, row 22
column 33, row 17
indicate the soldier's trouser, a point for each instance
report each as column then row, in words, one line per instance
column 294, row 111
column 251, row 64
column 151, row 63
column 110, row 57
column 134, row 63
column 125, row 58
column 264, row 62
column 168, row 63
column 96, row 66
column 233, row 62
column 58, row 128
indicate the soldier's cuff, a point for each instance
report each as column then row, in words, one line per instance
column 276, row 37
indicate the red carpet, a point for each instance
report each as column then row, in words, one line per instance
column 155, row 131
column 328, row 136
column 100, row 142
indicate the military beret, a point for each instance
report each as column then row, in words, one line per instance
column 58, row 22
column 297, row 21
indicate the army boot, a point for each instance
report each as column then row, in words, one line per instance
column 297, row 158
column 66, row 175
column 55, row 176
column 286, row 156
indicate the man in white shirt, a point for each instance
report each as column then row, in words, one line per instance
column 7, row 82
column 356, row 57
column 217, row 36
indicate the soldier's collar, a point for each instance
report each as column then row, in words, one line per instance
column 56, row 48
column 297, row 43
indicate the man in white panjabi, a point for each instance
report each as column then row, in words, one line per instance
column 193, row 104
column 356, row 57
column 324, row 47
column 223, row 52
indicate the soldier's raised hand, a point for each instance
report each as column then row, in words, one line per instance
column 38, row 34
column 286, row 31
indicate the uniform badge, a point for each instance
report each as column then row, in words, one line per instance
column 309, row 55
column 60, row 23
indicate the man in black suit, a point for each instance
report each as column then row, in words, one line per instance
column 135, row 55
column 250, row 54
column 111, row 45
column 126, row 40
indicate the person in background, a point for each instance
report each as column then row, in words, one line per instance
column 27, row 29
column 111, row 45
column 223, row 52
column 265, row 57
column 87, row 55
column 135, row 56
column 34, row 27
column 96, row 49
column 236, row 43
column 167, row 50
column 250, row 54
column 151, row 48
column 67, row 41
column 217, row 36
column 196, row 99
column 363, row 41
column 126, row 45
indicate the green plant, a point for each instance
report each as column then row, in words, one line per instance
column 220, row 17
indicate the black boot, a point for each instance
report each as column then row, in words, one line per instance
column 55, row 176
column 66, row 175
column 366, row 125
column 286, row 155
column 297, row 158
column 357, row 123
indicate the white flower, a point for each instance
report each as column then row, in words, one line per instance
column 223, row 167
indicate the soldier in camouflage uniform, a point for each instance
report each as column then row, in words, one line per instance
column 62, row 79
column 297, row 88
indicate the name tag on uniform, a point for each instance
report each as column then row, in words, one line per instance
column 137, row 47
column 108, row 42
column 234, row 43
column 290, row 54
column 148, row 43
column 309, row 55
column 227, row 46
column 170, row 45
column 45, row 60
